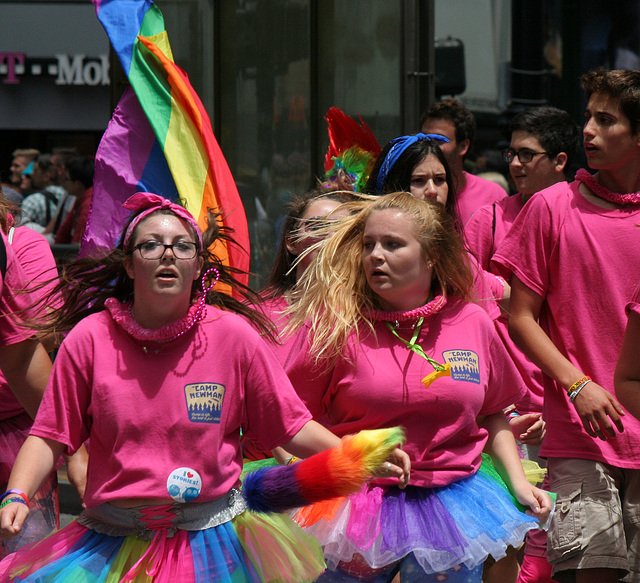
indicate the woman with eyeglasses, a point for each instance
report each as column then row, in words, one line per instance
column 307, row 214
column 160, row 373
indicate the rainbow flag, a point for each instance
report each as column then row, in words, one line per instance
column 159, row 139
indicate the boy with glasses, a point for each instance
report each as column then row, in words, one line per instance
column 544, row 148
column 573, row 252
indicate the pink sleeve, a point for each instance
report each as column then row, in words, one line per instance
column 527, row 248
column 478, row 234
column 505, row 385
column 274, row 411
column 488, row 289
column 13, row 300
column 63, row 415
column 309, row 379
column 36, row 259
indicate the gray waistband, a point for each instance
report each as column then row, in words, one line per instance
column 146, row 520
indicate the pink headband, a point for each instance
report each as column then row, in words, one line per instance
column 148, row 202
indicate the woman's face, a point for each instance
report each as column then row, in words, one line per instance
column 429, row 180
column 166, row 279
column 393, row 261
column 311, row 220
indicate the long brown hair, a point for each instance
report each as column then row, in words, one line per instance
column 87, row 282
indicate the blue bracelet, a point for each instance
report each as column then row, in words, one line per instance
column 8, row 501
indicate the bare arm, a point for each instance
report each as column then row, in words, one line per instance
column 597, row 408
column 501, row 446
column 627, row 376
column 26, row 366
column 34, row 463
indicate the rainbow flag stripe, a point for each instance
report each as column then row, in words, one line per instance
column 160, row 139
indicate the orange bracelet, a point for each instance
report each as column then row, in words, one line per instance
column 574, row 386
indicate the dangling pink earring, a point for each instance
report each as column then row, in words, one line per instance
column 206, row 288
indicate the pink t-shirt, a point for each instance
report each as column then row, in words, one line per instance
column 477, row 192
column 484, row 233
column 11, row 302
column 582, row 260
column 149, row 414
column 273, row 308
column 34, row 254
column 488, row 226
column 382, row 387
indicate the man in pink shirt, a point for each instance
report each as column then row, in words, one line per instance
column 452, row 119
column 544, row 148
column 573, row 252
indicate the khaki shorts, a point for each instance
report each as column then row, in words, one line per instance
column 596, row 523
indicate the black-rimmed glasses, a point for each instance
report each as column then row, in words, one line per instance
column 524, row 155
column 156, row 250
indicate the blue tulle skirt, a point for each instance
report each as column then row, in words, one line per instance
column 459, row 524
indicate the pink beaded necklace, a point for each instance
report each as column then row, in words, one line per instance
column 600, row 191
column 123, row 315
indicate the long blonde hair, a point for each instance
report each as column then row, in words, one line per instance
column 333, row 297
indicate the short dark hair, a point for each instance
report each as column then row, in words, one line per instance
column 44, row 162
column 81, row 168
column 454, row 111
column 554, row 128
column 621, row 84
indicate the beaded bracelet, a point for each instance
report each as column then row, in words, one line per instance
column 578, row 383
column 10, row 500
column 576, row 392
column 18, row 493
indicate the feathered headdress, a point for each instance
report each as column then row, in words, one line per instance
column 353, row 150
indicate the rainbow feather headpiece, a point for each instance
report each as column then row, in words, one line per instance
column 353, row 150
column 336, row 472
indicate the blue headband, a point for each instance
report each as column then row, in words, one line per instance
column 399, row 146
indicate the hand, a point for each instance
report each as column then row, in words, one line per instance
column 529, row 429
column 536, row 499
column 397, row 464
column 596, row 408
column 12, row 517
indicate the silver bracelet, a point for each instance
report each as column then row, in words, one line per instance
column 572, row 396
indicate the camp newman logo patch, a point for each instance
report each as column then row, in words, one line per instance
column 465, row 365
column 204, row 402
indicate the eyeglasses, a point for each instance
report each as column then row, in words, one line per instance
column 315, row 223
column 156, row 250
column 524, row 155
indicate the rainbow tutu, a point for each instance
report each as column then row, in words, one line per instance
column 462, row 523
column 248, row 547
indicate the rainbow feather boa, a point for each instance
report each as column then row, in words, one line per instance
column 336, row 472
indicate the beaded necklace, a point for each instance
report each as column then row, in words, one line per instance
column 165, row 334
column 600, row 191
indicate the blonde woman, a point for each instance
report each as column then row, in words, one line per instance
column 394, row 340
